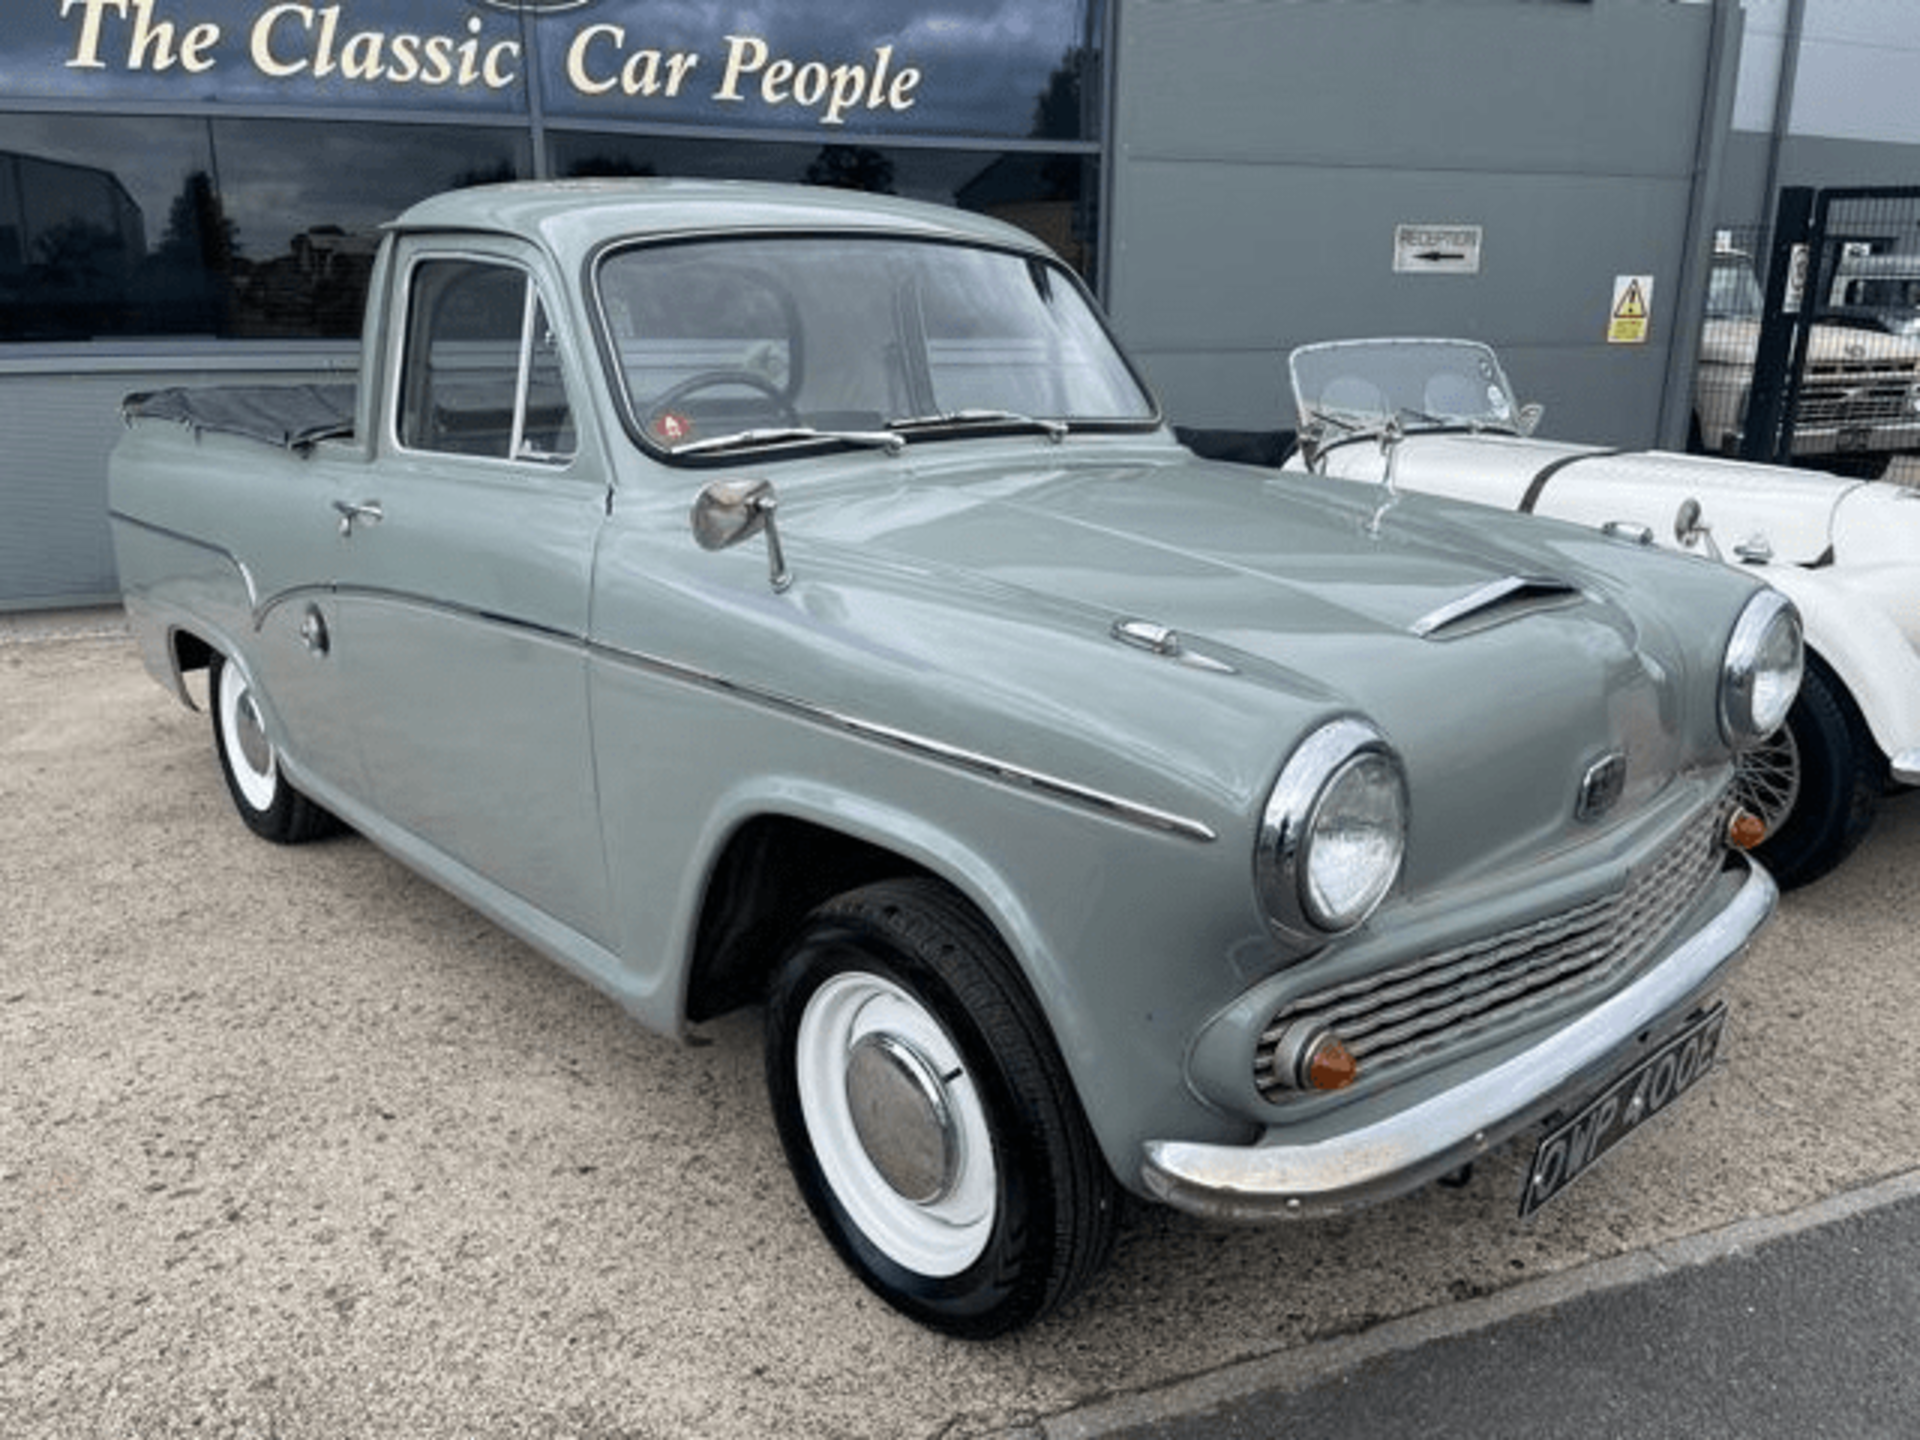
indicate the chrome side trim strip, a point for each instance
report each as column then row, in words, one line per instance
column 418, row 601
column 1275, row 1180
column 1114, row 806
column 246, row 575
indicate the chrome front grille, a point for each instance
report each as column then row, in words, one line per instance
column 1415, row 1012
column 1854, row 404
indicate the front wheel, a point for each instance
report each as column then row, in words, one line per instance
column 271, row 807
column 1815, row 782
column 927, row 1117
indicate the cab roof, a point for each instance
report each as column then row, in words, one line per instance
column 574, row 216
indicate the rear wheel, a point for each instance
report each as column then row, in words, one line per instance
column 927, row 1117
column 271, row 807
column 1815, row 782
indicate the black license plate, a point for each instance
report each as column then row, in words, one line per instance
column 1854, row 438
column 1623, row 1107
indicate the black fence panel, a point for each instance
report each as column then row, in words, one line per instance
column 1821, row 366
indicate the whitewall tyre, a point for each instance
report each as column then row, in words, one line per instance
column 271, row 807
column 927, row 1116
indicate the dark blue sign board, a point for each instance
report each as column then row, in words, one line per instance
column 1007, row 69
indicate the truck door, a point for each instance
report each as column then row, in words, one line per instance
column 465, row 579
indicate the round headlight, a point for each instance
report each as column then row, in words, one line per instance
column 1334, row 832
column 1761, row 672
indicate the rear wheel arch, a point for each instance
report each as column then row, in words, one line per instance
column 190, row 652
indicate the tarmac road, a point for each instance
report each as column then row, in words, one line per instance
column 294, row 1145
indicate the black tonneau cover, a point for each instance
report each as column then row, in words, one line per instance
column 290, row 416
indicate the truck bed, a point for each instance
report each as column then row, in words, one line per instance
column 289, row 416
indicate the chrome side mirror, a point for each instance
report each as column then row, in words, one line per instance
column 1689, row 529
column 1528, row 420
column 727, row 512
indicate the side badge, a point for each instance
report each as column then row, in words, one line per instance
column 1602, row 786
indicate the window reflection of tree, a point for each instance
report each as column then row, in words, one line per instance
column 851, row 167
column 1049, row 195
column 499, row 173
column 71, row 237
column 185, row 284
column 609, row 167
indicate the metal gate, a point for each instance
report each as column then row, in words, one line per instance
column 1821, row 366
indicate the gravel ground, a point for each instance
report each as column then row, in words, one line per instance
column 294, row 1145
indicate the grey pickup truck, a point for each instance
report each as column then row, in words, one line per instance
column 754, row 596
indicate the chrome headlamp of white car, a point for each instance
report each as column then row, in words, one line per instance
column 1334, row 832
column 1761, row 672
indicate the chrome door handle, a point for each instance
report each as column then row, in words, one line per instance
column 350, row 511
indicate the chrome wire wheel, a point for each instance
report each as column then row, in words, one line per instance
column 1767, row 778
column 901, row 1134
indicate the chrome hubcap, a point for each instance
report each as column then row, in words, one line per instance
column 251, row 735
column 243, row 738
column 893, row 1117
column 900, row 1112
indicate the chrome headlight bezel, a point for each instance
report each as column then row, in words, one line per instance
column 1315, row 787
column 1760, row 672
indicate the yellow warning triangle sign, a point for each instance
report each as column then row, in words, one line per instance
column 1633, row 304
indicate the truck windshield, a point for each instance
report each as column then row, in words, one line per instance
column 1732, row 292
column 732, row 346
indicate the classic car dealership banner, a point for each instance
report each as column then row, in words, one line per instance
column 975, row 67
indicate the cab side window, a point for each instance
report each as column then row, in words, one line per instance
column 481, row 374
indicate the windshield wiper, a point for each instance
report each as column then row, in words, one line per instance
column 790, row 434
column 1054, row 430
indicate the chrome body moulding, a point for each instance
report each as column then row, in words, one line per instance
column 1117, row 807
column 1273, row 1179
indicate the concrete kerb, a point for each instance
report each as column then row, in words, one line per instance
column 39, row 627
column 1297, row 1369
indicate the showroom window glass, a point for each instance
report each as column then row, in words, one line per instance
column 127, row 226
column 174, row 174
column 1050, row 194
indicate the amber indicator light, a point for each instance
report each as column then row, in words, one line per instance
column 1330, row 1065
column 1745, row 830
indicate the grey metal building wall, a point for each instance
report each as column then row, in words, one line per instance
column 1826, row 98
column 59, row 422
column 1264, row 152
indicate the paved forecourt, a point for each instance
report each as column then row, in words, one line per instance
column 293, row 1144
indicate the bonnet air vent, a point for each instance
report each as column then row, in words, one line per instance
column 1495, row 603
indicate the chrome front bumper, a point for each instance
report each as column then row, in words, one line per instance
column 1272, row 1179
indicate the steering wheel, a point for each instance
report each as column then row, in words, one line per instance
column 709, row 379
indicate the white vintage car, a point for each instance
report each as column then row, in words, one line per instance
column 1439, row 416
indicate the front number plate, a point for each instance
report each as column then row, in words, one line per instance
column 1616, row 1112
